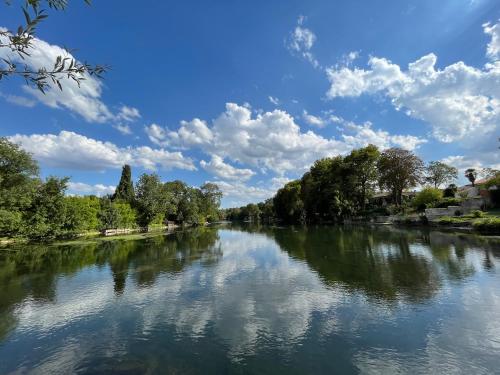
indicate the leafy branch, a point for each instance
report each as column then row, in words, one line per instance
column 20, row 43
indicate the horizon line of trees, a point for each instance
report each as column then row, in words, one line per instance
column 38, row 209
column 339, row 187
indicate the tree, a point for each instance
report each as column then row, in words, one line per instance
column 81, row 214
column 439, row 173
column 46, row 216
column 210, row 201
column 19, row 44
column 363, row 163
column 18, row 172
column 471, row 175
column 427, row 197
column 399, row 170
column 288, row 202
column 125, row 189
column 151, row 198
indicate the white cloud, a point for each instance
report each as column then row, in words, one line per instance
column 191, row 133
column 240, row 194
column 80, row 188
column 313, row 120
column 128, row 114
column 274, row 100
column 320, row 121
column 84, row 100
column 363, row 135
column 493, row 49
column 75, row 151
column 301, row 40
column 123, row 128
column 218, row 168
column 269, row 141
column 460, row 102
column 18, row 100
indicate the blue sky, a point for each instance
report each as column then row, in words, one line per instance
column 249, row 93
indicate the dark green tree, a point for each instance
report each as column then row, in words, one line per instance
column 399, row 170
column 151, row 199
column 439, row 173
column 125, row 189
column 471, row 175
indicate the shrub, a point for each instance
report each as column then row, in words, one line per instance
column 489, row 225
column 450, row 191
column 446, row 202
column 427, row 197
column 478, row 213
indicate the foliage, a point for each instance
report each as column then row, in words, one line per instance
column 450, row 191
column 427, row 197
column 439, row 173
column 82, row 214
column 46, row 216
column 125, row 189
column 446, row 202
column 489, row 225
column 471, row 175
column 288, row 203
column 151, row 198
column 399, row 170
column 20, row 44
column 478, row 213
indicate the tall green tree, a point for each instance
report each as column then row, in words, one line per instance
column 125, row 189
column 399, row 170
column 439, row 173
column 46, row 217
column 362, row 169
column 211, row 197
column 288, row 203
column 151, row 198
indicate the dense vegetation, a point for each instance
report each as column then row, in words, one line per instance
column 340, row 187
column 40, row 210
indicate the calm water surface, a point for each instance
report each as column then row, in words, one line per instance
column 254, row 300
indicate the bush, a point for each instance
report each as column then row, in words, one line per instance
column 450, row 191
column 478, row 213
column 490, row 225
column 427, row 197
column 446, row 202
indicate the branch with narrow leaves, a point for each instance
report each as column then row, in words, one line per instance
column 64, row 68
column 21, row 41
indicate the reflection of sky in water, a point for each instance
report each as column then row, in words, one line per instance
column 256, row 303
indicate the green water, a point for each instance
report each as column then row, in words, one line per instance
column 242, row 299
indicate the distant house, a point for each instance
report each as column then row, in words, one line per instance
column 382, row 199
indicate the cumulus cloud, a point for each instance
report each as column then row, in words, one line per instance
column 123, row 128
column 74, row 151
column 84, row 100
column 218, row 168
column 457, row 101
column 269, row 141
column 239, row 194
column 493, row 49
column 128, row 114
column 362, row 135
column 80, row 188
column 320, row 121
column 301, row 41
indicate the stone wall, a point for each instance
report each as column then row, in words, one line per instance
column 436, row 213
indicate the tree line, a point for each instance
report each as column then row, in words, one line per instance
column 338, row 187
column 38, row 209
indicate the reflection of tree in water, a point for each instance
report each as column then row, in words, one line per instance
column 32, row 271
column 385, row 263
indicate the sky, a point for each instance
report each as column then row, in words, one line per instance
column 248, row 94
